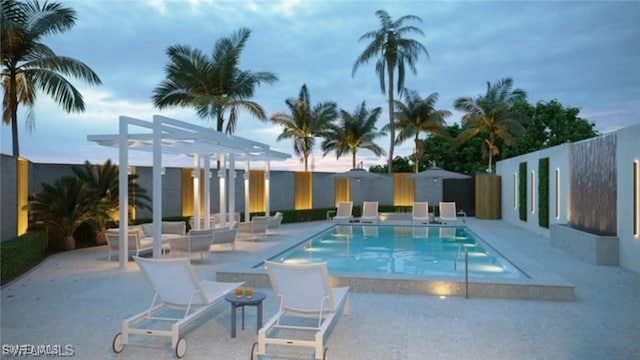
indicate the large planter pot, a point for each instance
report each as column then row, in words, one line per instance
column 68, row 243
column 101, row 238
column 488, row 196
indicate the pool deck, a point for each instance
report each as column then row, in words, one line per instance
column 79, row 298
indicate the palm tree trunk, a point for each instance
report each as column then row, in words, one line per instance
column 417, row 158
column 13, row 98
column 306, row 158
column 353, row 159
column 490, row 161
column 392, row 129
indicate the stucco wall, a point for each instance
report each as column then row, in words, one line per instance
column 558, row 159
column 627, row 151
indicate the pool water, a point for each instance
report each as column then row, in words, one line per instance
column 419, row 251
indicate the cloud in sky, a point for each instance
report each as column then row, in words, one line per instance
column 585, row 54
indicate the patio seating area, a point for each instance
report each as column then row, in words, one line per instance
column 78, row 290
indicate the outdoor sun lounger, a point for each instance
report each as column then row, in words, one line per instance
column 369, row 212
column 448, row 212
column 176, row 287
column 303, row 291
column 344, row 211
column 420, row 212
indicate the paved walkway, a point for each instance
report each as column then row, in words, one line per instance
column 79, row 298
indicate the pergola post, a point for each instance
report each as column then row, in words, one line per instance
column 196, row 190
column 247, row 195
column 232, row 185
column 207, row 191
column 267, row 209
column 222, row 174
column 123, row 188
column 157, row 188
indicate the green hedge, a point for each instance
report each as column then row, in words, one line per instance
column 522, row 191
column 543, row 192
column 22, row 253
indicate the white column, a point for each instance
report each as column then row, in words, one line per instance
column 123, row 189
column 267, row 207
column 207, row 191
column 247, row 195
column 157, row 188
column 232, row 185
column 196, row 191
column 222, row 175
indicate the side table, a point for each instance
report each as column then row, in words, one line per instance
column 241, row 302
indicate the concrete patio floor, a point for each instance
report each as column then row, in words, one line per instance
column 79, row 298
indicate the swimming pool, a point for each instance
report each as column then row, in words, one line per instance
column 418, row 251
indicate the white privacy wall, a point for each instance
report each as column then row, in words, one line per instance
column 627, row 151
column 558, row 160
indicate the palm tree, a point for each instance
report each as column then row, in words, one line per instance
column 102, row 185
column 417, row 115
column 62, row 207
column 29, row 65
column 491, row 116
column 212, row 85
column 356, row 131
column 304, row 122
column 393, row 51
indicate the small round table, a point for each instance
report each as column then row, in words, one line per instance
column 236, row 302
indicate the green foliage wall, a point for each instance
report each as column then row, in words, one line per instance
column 522, row 191
column 543, row 192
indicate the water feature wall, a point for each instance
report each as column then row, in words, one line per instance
column 593, row 185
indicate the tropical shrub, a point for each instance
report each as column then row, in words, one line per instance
column 20, row 254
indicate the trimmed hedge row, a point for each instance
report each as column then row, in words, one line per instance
column 522, row 191
column 543, row 192
column 20, row 254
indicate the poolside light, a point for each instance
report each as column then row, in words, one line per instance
column 442, row 297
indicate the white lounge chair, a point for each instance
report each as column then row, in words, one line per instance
column 176, row 287
column 303, row 291
column 225, row 236
column 137, row 243
column 369, row 212
column 420, row 212
column 448, row 212
column 344, row 212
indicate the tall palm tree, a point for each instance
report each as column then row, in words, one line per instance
column 304, row 122
column 62, row 207
column 491, row 116
column 28, row 64
column 357, row 131
column 393, row 51
column 102, row 185
column 415, row 116
column 213, row 86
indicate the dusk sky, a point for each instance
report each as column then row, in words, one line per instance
column 585, row 54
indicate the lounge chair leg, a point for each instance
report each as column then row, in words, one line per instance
column 319, row 345
column 346, row 310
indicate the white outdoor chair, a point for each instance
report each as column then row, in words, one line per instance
column 420, row 212
column 176, row 287
column 344, row 211
column 274, row 223
column 196, row 241
column 303, row 291
column 254, row 228
column 136, row 243
column 369, row 212
column 448, row 212
column 225, row 236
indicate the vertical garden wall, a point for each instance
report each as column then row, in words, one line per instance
column 543, row 192
column 522, row 191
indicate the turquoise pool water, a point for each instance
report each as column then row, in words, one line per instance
column 404, row 250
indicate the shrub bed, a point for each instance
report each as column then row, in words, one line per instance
column 22, row 253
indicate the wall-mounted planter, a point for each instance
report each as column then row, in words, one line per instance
column 488, row 200
column 592, row 248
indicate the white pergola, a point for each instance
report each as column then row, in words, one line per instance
column 170, row 136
